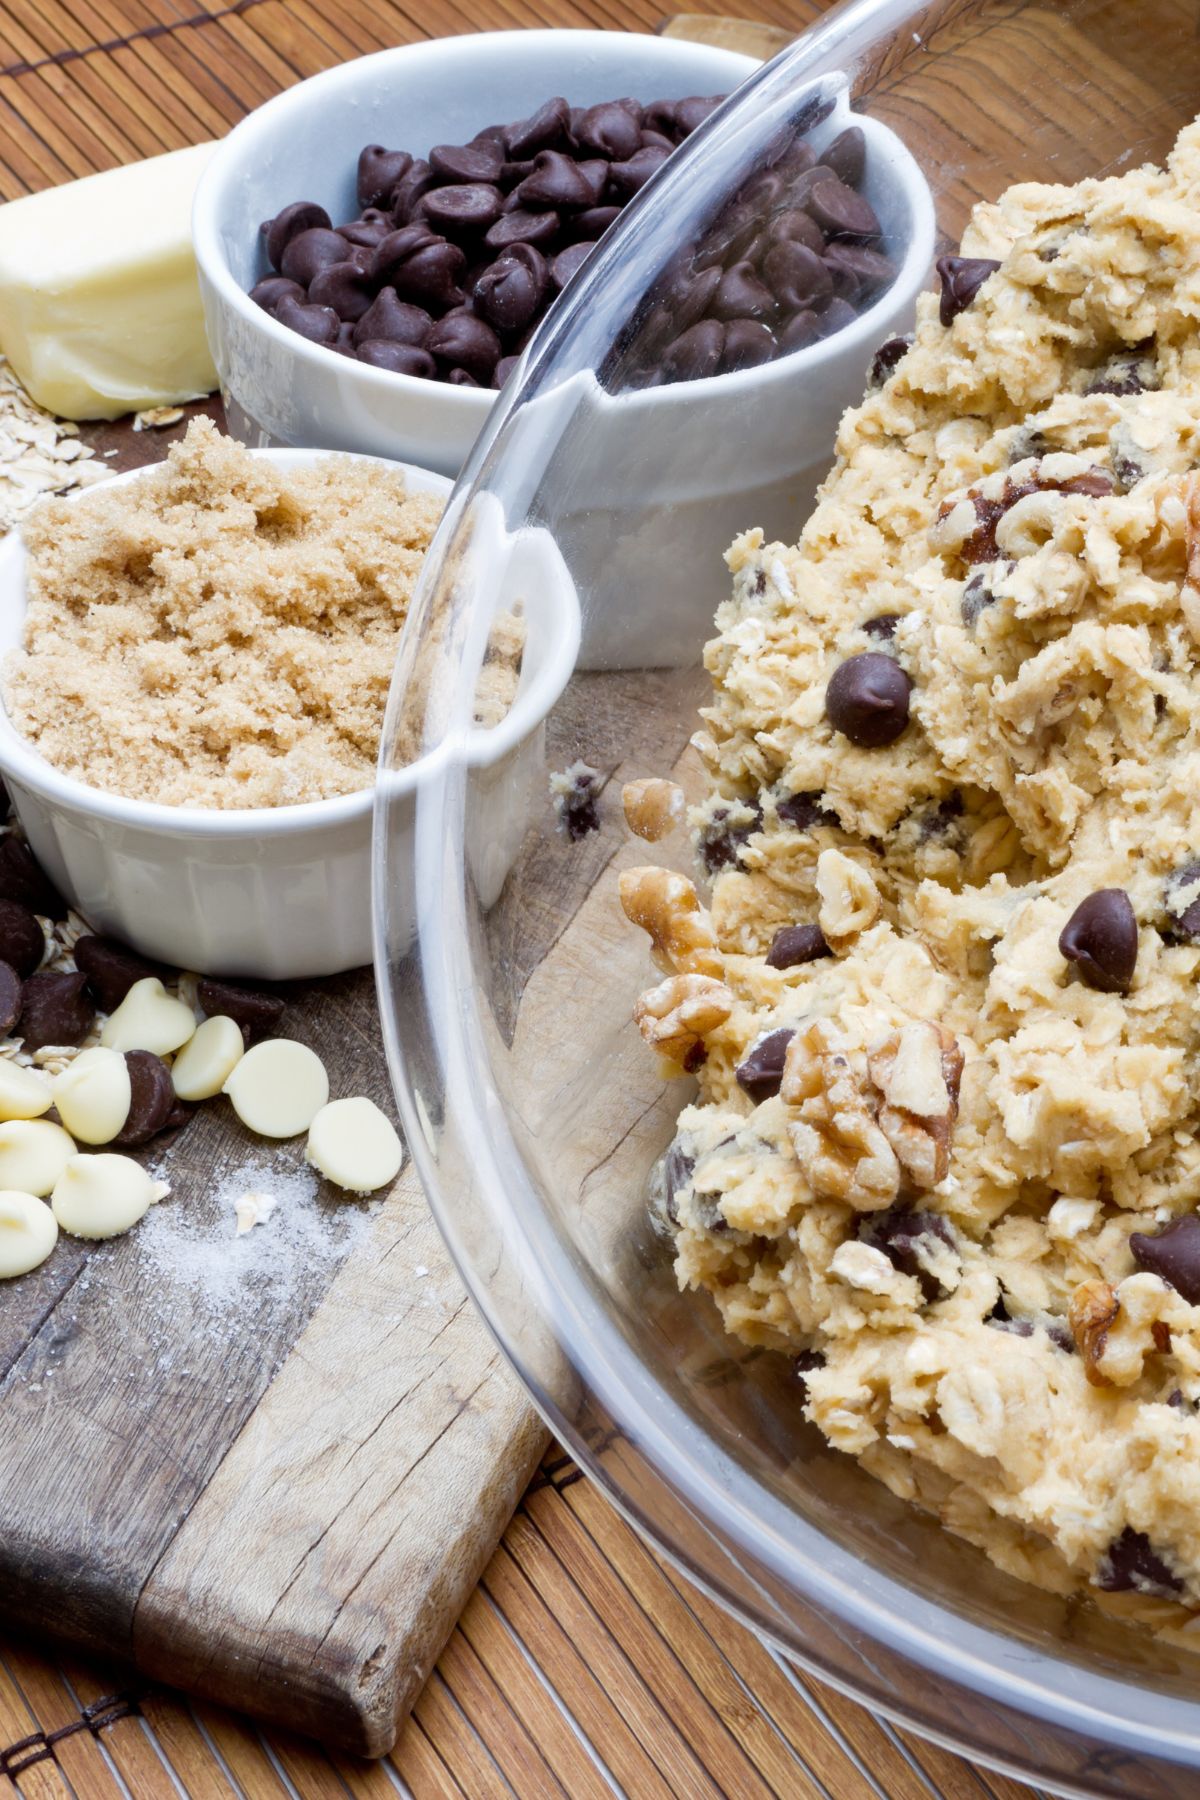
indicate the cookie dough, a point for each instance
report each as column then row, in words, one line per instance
column 943, row 1004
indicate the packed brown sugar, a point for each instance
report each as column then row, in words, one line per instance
column 221, row 632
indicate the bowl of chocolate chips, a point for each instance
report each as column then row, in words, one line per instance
column 378, row 244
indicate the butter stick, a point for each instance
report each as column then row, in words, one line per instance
column 99, row 302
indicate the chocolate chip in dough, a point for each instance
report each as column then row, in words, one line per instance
column 961, row 278
column 22, row 941
column 977, row 596
column 578, row 805
column 1172, row 1253
column 867, row 700
column 900, row 1232
column 882, row 626
column 804, row 811
column 54, row 1010
column 796, row 944
column 1184, row 927
column 10, row 996
column 151, row 1099
column 804, row 1364
column 111, row 969
column 887, row 358
column 23, row 879
column 257, row 1013
column 301, row 215
column 1132, row 1564
column 719, row 843
column 678, row 1167
column 761, row 1073
column 1101, row 939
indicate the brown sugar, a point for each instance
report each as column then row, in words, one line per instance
column 221, row 632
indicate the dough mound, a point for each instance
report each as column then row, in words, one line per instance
column 930, row 1198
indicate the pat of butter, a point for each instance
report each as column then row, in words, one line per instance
column 99, row 301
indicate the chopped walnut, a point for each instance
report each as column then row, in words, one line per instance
column 653, row 807
column 1092, row 1313
column 918, row 1071
column 667, row 906
column 838, row 1144
column 676, row 1016
column 849, row 899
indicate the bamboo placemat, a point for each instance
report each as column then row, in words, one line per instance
column 583, row 1666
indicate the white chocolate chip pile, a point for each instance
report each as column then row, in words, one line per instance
column 28, row 1233
column 354, row 1145
column 278, row 1088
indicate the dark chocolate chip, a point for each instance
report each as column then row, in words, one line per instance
column 961, row 278
column 511, row 290
column 867, row 699
column 1101, row 939
column 804, row 811
column 797, row 276
column 111, row 969
column 468, row 163
column 695, row 353
column 678, row 1167
column 22, row 878
column 301, row 215
column 977, row 595
column 886, row 358
column 748, row 343
column 364, row 234
column 687, row 299
column 311, row 251
column 847, row 155
column 1186, row 927
column 720, row 843
column 462, row 341
column 151, row 1099
column 625, row 179
column 761, row 1073
column 10, row 996
column 503, row 370
column 835, row 315
column 840, row 212
column 857, row 271
column 592, row 223
column 1173, row 1254
column 882, row 626
column 900, row 1232
column 741, row 295
column 344, row 287
column 398, row 359
column 550, row 125
column 556, row 183
column 379, row 170
column 692, row 112
column 659, row 115
column 568, row 263
column 456, row 211
column 522, row 227
column 796, row 944
column 268, row 292
column 319, row 324
column 578, row 807
column 390, row 317
column 1131, row 1564
column 609, row 130
column 22, row 941
column 595, row 173
column 54, row 1010
column 806, row 1363
column 795, row 226
column 257, row 1013
column 801, row 330
column 409, row 191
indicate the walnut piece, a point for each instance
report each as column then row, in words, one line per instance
column 1092, row 1313
column 918, row 1071
column 850, row 901
column 653, row 807
column 667, row 906
column 676, row 1016
column 838, row 1144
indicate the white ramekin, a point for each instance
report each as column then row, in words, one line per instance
column 304, row 145
column 276, row 893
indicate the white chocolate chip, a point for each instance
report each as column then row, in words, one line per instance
column 149, row 1019
column 23, row 1094
column 28, row 1233
column 278, row 1088
column 208, row 1059
column 102, row 1196
column 354, row 1145
column 92, row 1095
column 33, row 1154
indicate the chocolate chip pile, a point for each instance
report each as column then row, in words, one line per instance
column 454, row 259
column 796, row 255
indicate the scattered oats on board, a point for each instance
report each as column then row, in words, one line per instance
column 157, row 418
column 39, row 454
column 253, row 1209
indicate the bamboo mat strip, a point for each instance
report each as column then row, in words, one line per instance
column 583, row 1666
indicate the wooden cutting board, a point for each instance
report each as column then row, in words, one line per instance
column 269, row 1470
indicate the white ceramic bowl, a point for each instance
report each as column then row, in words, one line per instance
column 281, row 892
column 304, row 145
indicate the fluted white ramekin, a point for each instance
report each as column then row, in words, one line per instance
column 276, row 893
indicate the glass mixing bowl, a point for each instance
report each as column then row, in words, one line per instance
column 507, row 971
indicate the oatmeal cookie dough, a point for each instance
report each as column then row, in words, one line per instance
column 945, row 1149
column 220, row 632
